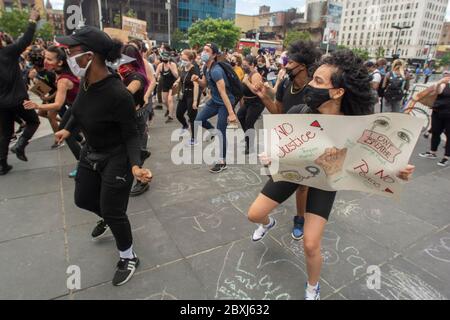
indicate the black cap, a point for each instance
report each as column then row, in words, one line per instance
column 214, row 47
column 91, row 37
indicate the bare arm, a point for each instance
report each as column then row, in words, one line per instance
column 151, row 77
column 134, row 86
column 63, row 86
column 196, row 91
column 255, row 78
column 223, row 94
column 174, row 70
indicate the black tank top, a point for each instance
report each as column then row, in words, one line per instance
column 167, row 76
column 442, row 103
column 249, row 96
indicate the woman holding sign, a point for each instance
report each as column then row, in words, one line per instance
column 340, row 86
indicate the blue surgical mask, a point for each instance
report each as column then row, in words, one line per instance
column 205, row 57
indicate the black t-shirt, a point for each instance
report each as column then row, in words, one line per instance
column 105, row 113
column 186, row 84
column 288, row 96
column 138, row 96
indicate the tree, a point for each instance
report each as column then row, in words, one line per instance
column 246, row 51
column 380, row 52
column 222, row 32
column 117, row 20
column 179, row 40
column 14, row 22
column 295, row 35
column 46, row 32
column 362, row 53
column 445, row 60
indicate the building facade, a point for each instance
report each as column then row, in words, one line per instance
column 276, row 23
column 370, row 24
column 445, row 34
column 189, row 11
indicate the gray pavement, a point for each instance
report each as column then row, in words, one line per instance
column 193, row 237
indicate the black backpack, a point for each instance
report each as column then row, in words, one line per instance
column 233, row 80
column 395, row 88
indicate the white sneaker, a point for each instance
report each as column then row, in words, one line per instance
column 312, row 295
column 262, row 230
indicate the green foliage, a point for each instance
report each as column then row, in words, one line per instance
column 246, row 51
column 14, row 22
column 445, row 60
column 222, row 32
column 380, row 52
column 46, row 32
column 178, row 40
column 117, row 20
column 294, row 35
column 362, row 53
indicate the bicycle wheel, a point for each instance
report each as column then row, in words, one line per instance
column 421, row 114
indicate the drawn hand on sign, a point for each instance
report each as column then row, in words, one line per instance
column 332, row 160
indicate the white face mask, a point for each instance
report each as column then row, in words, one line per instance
column 75, row 68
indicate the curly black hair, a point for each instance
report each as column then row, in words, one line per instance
column 353, row 76
column 305, row 52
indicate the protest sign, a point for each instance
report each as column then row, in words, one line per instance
column 330, row 152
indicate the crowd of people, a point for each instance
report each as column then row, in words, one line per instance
column 102, row 109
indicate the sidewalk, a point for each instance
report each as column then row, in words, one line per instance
column 193, row 237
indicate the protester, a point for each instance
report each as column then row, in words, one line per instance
column 221, row 102
column 105, row 112
column 12, row 94
column 395, row 85
column 340, row 86
column 167, row 73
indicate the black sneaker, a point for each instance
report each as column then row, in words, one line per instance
column 125, row 270
column 4, row 169
column 218, row 167
column 428, row 155
column 443, row 162
column 169, row 119
column 138, row 189
column 99, row 230
column 166, row 114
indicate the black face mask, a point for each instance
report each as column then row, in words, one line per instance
column 233, row 64
column 246, row 70
column 315, row 97
column 290, row 73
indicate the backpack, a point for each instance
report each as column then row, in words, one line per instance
column 395, row 87
column 233, row 80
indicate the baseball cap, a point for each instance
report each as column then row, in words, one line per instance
column 214, row 47
column 89, row 36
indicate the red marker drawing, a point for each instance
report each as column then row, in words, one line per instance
column 316, row 124
column 389, row 190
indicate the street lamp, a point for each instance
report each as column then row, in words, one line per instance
column 399, row 28
column 168, row 7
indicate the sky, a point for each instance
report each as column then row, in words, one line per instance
column 252, row 6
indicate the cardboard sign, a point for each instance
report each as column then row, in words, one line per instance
column 40, row 88
column 361, row 153
column 118, row 34
column 136, row 28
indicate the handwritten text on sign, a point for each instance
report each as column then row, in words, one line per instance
column 362, row 153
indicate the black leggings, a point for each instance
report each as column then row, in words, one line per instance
column 249, row 113
column 440, row 123
column 185, row 105
column 7, row 118
column 105, row 192
column 72, row 140
column 319, row 202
